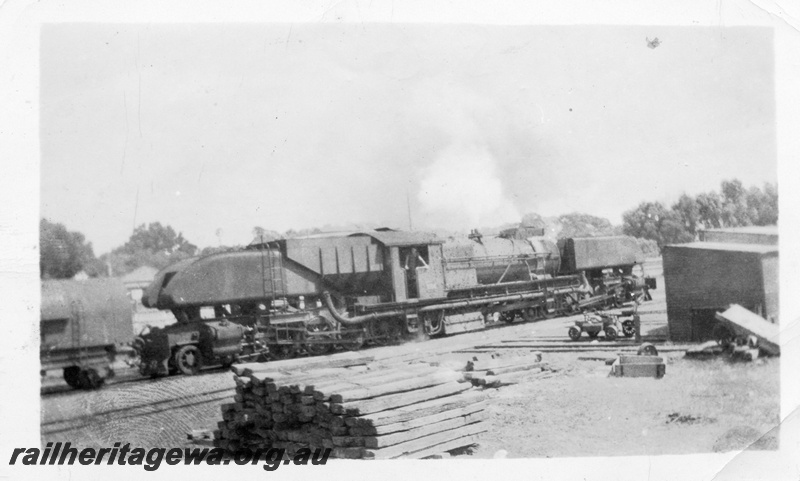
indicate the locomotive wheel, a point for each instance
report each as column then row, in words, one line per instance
column 352, row 341
column 508, row 316
column 574, row 333
column 282, row 351
column 227, row 361
column 188, row 360
column 611, row 333
column 628, row 330
column 72, row 376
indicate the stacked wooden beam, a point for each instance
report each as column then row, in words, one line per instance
column 414, row 410
column 495, row 369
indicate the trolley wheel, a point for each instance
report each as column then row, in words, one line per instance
column 593, row 334
column 282, row 351
column 72, row 376
column 188, row 360
column 611, row 333
column 574, row 333
column 90, row 379
column 647, row 349
column 628, row 330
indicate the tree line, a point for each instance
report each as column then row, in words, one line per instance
column 733, row 206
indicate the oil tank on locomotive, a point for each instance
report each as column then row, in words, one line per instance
column 84, row 326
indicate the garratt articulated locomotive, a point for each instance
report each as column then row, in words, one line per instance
column 321, row 292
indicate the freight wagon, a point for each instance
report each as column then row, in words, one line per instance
column 84, row 325
column 321, row 292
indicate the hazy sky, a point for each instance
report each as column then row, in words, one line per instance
column 231, row 126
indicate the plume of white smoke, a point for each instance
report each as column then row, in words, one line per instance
column 461, row 189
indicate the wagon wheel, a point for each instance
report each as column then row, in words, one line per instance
column 574, row 333
column 318, row 349
column 611, row 333
column 188, row 360
column 90, row 379
column 282, row 351
column 722, row 335
column 72, row 376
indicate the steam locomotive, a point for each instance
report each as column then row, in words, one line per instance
column 275, row 299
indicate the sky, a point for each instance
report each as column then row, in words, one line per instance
column 217, row 128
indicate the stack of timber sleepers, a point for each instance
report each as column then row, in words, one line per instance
column 411, row 411
column 496, row 369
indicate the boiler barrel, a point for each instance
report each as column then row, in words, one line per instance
column 495, row 259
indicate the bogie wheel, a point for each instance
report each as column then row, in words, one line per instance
column 574, row 333
column 508, row 316
column 188, row 360
column 318, row 349
column 282, row 351
column 529, row 314
column 611, row 333
column 72, row 376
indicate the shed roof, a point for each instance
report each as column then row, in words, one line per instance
column 719, row 246
column 753, row 229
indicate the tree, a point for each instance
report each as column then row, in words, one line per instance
column 735, row 212
column 153, row 245
column 763, row 206
column 156, row 238
column 62, row 253
column 652, row 220
column 584, row 225
column 688, row 211
column 709, row 209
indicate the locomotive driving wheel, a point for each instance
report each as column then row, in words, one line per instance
column 72, row 376
column 188, row 360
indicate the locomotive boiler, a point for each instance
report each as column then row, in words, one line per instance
column 321, row 292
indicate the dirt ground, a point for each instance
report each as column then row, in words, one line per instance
column 699, row 406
